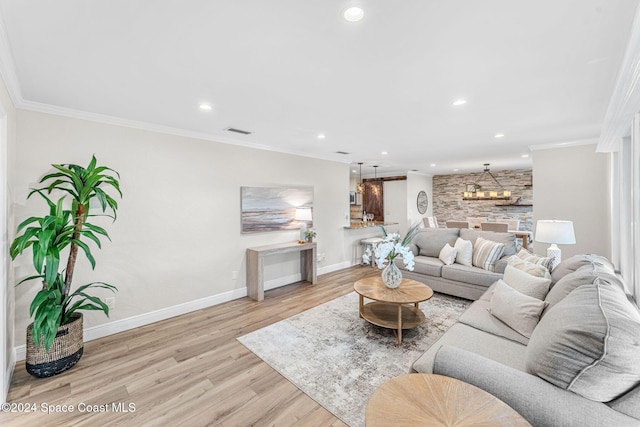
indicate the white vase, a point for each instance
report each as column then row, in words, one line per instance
column 391, row 275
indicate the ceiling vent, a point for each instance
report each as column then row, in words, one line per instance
column 342, row 152
column 243, row 132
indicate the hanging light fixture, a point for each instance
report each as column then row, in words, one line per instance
column 476, row 193
column 360, row 186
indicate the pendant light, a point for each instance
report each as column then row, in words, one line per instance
column 360, row 186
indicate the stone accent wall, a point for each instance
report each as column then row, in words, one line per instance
column 448, row 203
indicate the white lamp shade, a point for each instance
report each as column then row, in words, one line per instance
column 557, row 232
column 303, row 214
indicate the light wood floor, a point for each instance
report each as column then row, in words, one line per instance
column 189, row 370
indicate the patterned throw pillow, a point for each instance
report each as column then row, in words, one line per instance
column 486, row 253
column 528, row 256
column 531, row 268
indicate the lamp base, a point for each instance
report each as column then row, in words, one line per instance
column 555, row 254
column 303, row 230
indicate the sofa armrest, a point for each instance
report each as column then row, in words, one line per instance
column 539, row 402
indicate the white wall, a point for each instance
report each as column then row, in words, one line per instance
column 573, row 183
column 395, row 205
column 177, row 238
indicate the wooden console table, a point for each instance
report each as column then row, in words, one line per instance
column 255, row 264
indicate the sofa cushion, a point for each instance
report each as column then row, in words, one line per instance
column 431, row 240
column 465, row 252
column 628, row 403
column 471, row 275
column 573, row 263
column 425, row 265
column 529, row 267
column 535, row 259
column 508, row 239
column 448, row 254
column 491, row 346
column 533, row 286
column 477, row 315
column 588, row 343
column 486, row 253
column 519, row 311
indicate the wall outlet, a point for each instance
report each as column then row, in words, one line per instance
column 234, row 275
column 111, row 302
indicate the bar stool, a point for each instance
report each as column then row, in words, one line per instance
column 372, row 243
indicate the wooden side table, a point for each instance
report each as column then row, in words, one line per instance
column 436, row 400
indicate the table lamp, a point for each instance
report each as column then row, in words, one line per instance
column 303, row 215
column 555, row 232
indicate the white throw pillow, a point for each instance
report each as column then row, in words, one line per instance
column 448, row 254
column 521, row 281
column 465, row 252
column 529, row 267
column 518, row 311
column 486, row 253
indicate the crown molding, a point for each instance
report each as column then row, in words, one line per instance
column 564, row 144
column 167, row 130
column 625, row 100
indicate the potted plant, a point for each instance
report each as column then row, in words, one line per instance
column 309, row 235
column 54, row 339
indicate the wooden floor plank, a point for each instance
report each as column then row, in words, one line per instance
column 188, row 369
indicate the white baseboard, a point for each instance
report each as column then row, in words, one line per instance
column 117, row 326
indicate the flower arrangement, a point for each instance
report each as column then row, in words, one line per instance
column 310, row 234
column 392, row 246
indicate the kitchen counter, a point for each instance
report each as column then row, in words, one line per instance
column 357, row 225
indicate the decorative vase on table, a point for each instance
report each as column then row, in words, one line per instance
column 392, row 276
column 386, row 251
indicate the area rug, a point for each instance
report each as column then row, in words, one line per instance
column 338, row 359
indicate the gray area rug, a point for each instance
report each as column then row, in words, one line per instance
column 338, row 359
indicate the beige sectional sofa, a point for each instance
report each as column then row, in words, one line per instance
column 579, row 364
column 466, row 281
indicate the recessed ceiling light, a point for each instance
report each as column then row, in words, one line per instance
column 433, row 164
column 321, row 136
column 459, row 102
column 384, row 153
column 206, row 107
column 353, row 14
column 499, row 135
column 455, row 170
column 525, row 155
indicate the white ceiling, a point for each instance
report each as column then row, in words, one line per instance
column 540, row 72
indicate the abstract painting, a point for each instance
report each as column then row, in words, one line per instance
column 273, row 208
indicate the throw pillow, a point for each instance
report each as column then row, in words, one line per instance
column 588, row 343
column 465, row 252
column 486, row 253
column 528, row 256
column 448, row 254
column 519, row 311
column 529, row 267
column 521, row 281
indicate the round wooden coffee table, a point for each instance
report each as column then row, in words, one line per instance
column 436, row 400
column 393, row 308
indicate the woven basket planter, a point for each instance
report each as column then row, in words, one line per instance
column 64, row 353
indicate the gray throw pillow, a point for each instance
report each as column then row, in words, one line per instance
column 573, row 263
column 588, row 343
column 584, row 276
column 519, row 311
column 431, row 240
column 528, row 284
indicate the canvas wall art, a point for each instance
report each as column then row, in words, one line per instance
column 273, row 208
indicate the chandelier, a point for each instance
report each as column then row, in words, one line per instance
column 475, row 191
